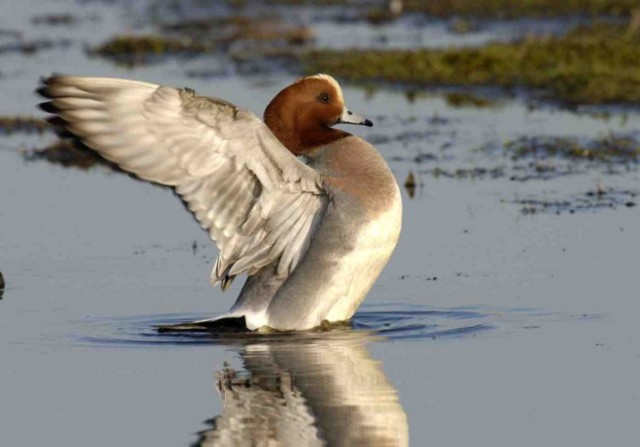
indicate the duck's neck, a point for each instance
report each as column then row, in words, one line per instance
column 306, row 141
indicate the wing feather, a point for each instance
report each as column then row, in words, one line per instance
column 258, row 202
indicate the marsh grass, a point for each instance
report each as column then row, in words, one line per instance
column 256, row 36
column 468, row 99
column 129, row 49
column 592, row 64
column 492, row 8
column 521, row 8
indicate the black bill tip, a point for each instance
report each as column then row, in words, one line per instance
column 367, row 123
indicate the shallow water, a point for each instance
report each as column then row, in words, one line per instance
column 489, row 325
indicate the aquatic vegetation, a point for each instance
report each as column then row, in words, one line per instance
column 589, row 65
column 542, row 170
column 381, row 14
column 63, row 19
column 549, row 157
column 242, row 37
column 26, row 46
column 28, row 124
column 609, row 148
column 68, row 153
column 468, row 99
column 520, row 8
column 589, row 201
column 140, row 49
column 490, row 8
column 231, row 29
column 468, row 173
column 498, row 8
column 463, row 26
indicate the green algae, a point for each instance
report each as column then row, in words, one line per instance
column 594, row 64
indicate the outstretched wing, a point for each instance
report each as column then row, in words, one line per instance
column 258, row 202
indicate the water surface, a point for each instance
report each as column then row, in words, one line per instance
column 489, row 325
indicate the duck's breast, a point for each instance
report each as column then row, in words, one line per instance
column 373, row 245
column 352, row 244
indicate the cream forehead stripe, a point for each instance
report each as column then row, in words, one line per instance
column 327, row 78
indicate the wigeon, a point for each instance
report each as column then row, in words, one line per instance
column 310, row 213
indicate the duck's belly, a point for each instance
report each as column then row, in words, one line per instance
column 361, row 267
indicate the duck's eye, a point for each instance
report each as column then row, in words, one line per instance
column 324, row 97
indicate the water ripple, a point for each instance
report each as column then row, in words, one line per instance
column 419, row 323
column 388, row 321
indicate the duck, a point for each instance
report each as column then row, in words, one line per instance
column 308, row 212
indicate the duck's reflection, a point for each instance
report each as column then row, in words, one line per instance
column 319, row 391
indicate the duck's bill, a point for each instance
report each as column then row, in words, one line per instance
column 348, row 117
